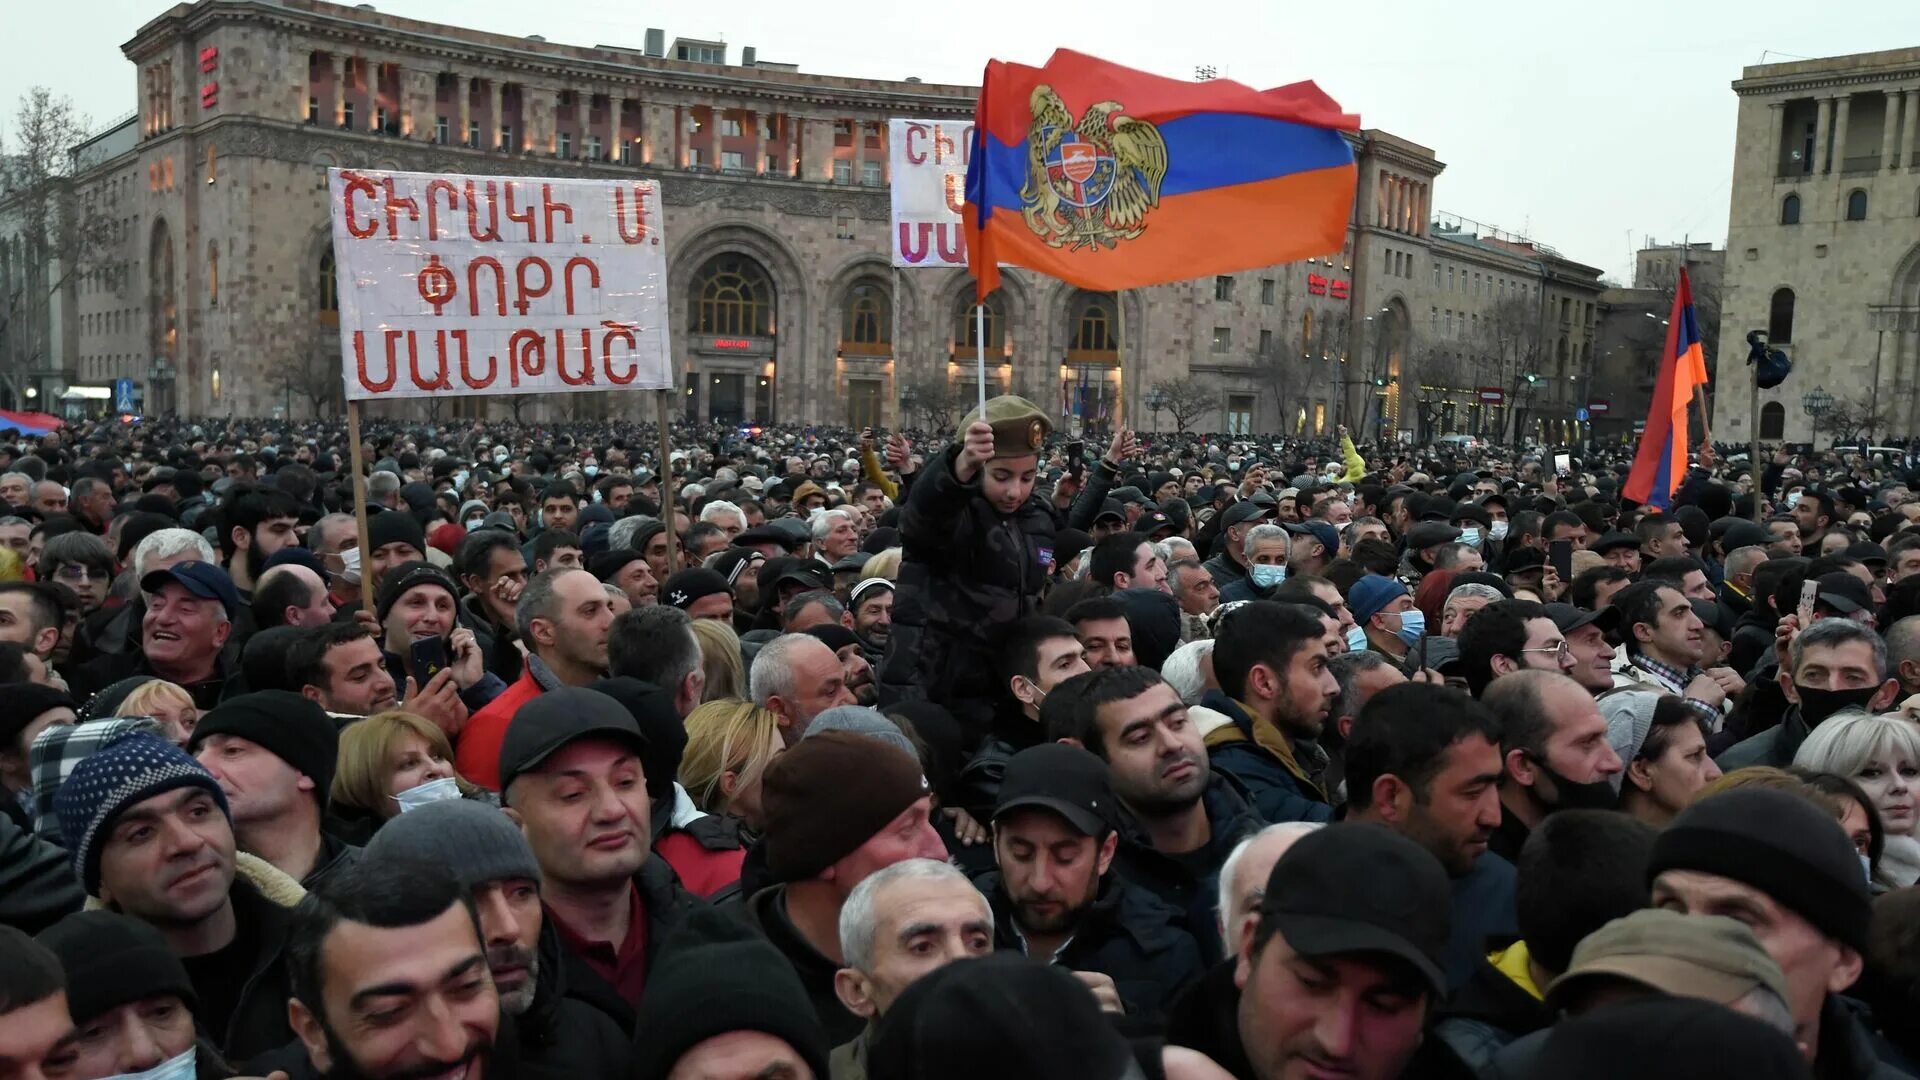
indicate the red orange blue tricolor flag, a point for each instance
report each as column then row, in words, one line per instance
column 1111, row 178
column 1660, row 463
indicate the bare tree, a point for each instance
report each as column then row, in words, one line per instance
column 54, row 240
column 934, row 401
column 315, row 380
column 1516, row 348
column 1435, row 368
column 1185, row 399
column 1854, row 418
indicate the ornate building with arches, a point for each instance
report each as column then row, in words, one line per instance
column 219, row 296
column 1823, row 244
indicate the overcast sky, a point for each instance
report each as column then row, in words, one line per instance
column 1585, row 126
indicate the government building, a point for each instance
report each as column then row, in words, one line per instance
column 1823, row 244
column 217, row 296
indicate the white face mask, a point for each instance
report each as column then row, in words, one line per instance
column 432, row 791
column 1497, row 531
column 178, row 1067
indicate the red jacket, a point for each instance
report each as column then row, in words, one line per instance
column 477, row 754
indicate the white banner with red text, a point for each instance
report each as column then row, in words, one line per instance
column 928, row 163
column 462, row 286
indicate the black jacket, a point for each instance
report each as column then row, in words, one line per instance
column 496, row 642
column 1126, row 934
column 1752, row 641
column 103, row 671
column 259, row 1021
column 1487, row 1014
column 566, row 1035
column 979, row 782
column 966, row 571
column 1224, row 570
column 37, row 886
column 766, row 912
column 1774, row 746
column 1207, row 1018
column 1233, row 819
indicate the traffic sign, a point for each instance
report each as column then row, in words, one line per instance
column 123, row 395
column 1579, row 414
column 1599, row 405
column 1493, row 395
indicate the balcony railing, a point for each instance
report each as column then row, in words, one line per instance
column 1864, row 164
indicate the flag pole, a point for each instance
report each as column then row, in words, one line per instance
column 980, row 351
column 357, row 461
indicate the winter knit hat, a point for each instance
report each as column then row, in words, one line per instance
column 1780, row 844
column 1154, row 619
column 1001, row 1015
column 474, row 840
column 817, row 814
column 285, row 724
column 396, row 527
column 112, row 960
column 22, row 703
column 405, row 576
column 716, row 976
column 107, row 701
column 113, row 778
column 684, row 587
column 860, row 720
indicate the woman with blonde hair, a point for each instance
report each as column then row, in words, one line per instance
column 720, row 660
column 166, row 702
column 729, row 746
column 1882, row 755
column 886, row 565
column 391, row 762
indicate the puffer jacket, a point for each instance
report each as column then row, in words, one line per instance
column 1281, row 788
column 966, row 570
column 1126, row 934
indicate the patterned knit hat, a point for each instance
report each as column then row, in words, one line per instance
column 113, row 778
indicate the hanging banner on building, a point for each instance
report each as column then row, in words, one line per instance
column 928, row 163
column 459, row 286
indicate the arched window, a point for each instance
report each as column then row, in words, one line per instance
column 1773, row 420
column 866, row 322
column 1780, row 318
column 732, row 295
column 329, row 291
column 1790, row 210
column 966, row 331
column 1093, row 332
column 1857, row 206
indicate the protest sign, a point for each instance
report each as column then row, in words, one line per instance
column 457, row 286
column 928, row 163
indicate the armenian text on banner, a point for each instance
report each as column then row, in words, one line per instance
column 928, row 163
column 460, row 286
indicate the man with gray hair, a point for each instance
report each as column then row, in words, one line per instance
column 1243, row 877
column 383, row 489
column 730, row 518
column 834, row 535
column 1834, row 664
column 16, row 489
column 190, row 608
column 621, row 533
column 899, row 925
column 797, row 677
column 1266, row 548
column 655, row 644
column 1462, row 602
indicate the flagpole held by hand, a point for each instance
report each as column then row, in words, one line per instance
column 980, row 350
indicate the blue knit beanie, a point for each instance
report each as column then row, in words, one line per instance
column 113, row 778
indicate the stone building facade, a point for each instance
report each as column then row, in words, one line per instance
column 220, row 298
column 1823, row 241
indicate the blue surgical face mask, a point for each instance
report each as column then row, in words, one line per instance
column 432, row 791
column 591, row 470
column 1357, row 639
column 178, row 1067
column 1266, row 577
column 1792, row 498
column 1470, row 535
column 1413, row 623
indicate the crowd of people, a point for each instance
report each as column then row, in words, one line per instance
column 811, row 753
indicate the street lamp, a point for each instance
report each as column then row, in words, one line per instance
column 1818, row 404
column 1156, row 400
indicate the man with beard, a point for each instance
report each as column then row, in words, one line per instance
column 255, row 523
column 1275, row 688
column 1554, row 753
column 1339, row 973
column 390, row 978
column 1424, row 761
column 853, row 661
column 558, row 1032
column 797, row 677
column 151, row 837
column 1053, row 897
column 871, row 601
column 340, row 667
column 1179, row 820
column 494, row 571
column 1665, row 649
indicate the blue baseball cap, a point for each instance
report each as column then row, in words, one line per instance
column 202, row 579
column 1371, row 593
column 1319, row 530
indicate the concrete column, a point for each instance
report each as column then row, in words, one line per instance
column 1907, row 127
column 1890, row 130
column 714, row 137
column 1393, row 201
column 490, row 134
column 760, row 125
column 464, row 114
column 1777, row 123
column 1841, row 113
column 582, row 116
column 816, row 148
column 336, row 104
column 1822, row 125
column 616, row 115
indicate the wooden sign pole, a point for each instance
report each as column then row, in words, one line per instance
column 358, row 459
column 666, row 481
